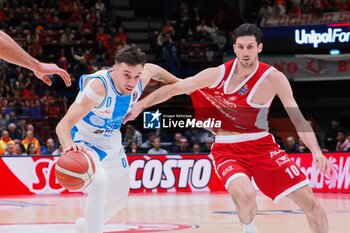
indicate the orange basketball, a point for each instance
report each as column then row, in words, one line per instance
column 75, row 170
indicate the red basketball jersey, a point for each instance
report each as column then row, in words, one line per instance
column 235, row 110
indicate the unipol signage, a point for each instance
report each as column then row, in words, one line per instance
column 314, row 38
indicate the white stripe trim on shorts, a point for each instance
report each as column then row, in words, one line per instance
column 234, row 176
column 290, row 190
column 240, row 137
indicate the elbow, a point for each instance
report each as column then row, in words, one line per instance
column 58, row 128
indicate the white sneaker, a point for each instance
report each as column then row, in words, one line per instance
column 251, row 228
column 80, row 225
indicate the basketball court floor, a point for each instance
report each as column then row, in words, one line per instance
column 168, row 212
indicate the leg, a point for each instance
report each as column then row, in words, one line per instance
column 118, row 182
column 117, row 194
column 307, row 201
column 96, row 199
column 243, row 195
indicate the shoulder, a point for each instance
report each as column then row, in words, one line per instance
column 276, row 76
column 98, row 86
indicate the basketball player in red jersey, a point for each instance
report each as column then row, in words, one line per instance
column 239, row 93
column 11, row 52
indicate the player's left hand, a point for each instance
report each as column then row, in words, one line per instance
column 44, row 69
column 322, row 163
column 132, row 115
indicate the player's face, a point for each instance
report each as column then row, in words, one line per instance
column 247, row 49
column 127, row 77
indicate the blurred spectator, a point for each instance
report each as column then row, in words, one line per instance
column 10, row 149
column 341, row 5
column 196, row 148
column 22, row 128
column 30, row 139
column 332, row 133
column 265, row 10
column 207, row 145
column 343, row 144
column 156, row 149
column 203, row 31
column 292, row 146
column 119, row 39
column 131, row 134
column 4, row 117
column 100, row 6
column 302, row 147
column 58, row 151
column 50, row 147
column 14, row 133
column 67, row 38
column 147, row 144
column 279, row 8
column 183, row 146
column 101, row 35
column 32, row 149
column 217, row 35
column 295, row 10
column 133, row 148
column 4, row 141
column 176, row 143
column 20, row 149
column 12, row 119
column 31, row 128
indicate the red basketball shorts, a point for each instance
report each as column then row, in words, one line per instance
column 257, row 155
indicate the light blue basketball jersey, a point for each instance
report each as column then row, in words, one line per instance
column 104, row 122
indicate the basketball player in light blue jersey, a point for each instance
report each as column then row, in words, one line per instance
column 93, row 123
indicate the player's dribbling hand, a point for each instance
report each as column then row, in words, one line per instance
column 132, row 115
column 44, row 69
column 322, row 163
column 74, row 147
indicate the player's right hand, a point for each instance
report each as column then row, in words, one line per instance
column 132, row 115
column 74, row 147
column 43, row 70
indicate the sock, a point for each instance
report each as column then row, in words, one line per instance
column 250, row 228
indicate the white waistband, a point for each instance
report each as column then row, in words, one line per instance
column 239, row 137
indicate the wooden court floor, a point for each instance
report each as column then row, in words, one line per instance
column 178, row 213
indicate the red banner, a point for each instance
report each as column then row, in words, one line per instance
column 306, row 19
column 166, row 173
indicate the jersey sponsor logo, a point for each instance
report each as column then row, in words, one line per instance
column 282, row 160
column 106, row 112
column 226, row 161
column 232, row 98
column 109, row 228
column 243, row 90
column 135, row 96
column 227, row 170
column 97, row 121
column 274, row 153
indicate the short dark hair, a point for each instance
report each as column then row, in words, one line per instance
column 130, row 54
column 247, row 29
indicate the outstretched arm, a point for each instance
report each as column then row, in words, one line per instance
column 188, row 85
column 157, row 73
column 11, row 52
column 304, row 130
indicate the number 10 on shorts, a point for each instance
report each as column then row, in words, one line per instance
column 292, row 171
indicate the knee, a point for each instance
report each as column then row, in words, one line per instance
column 244, row 197
column 315, row 210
